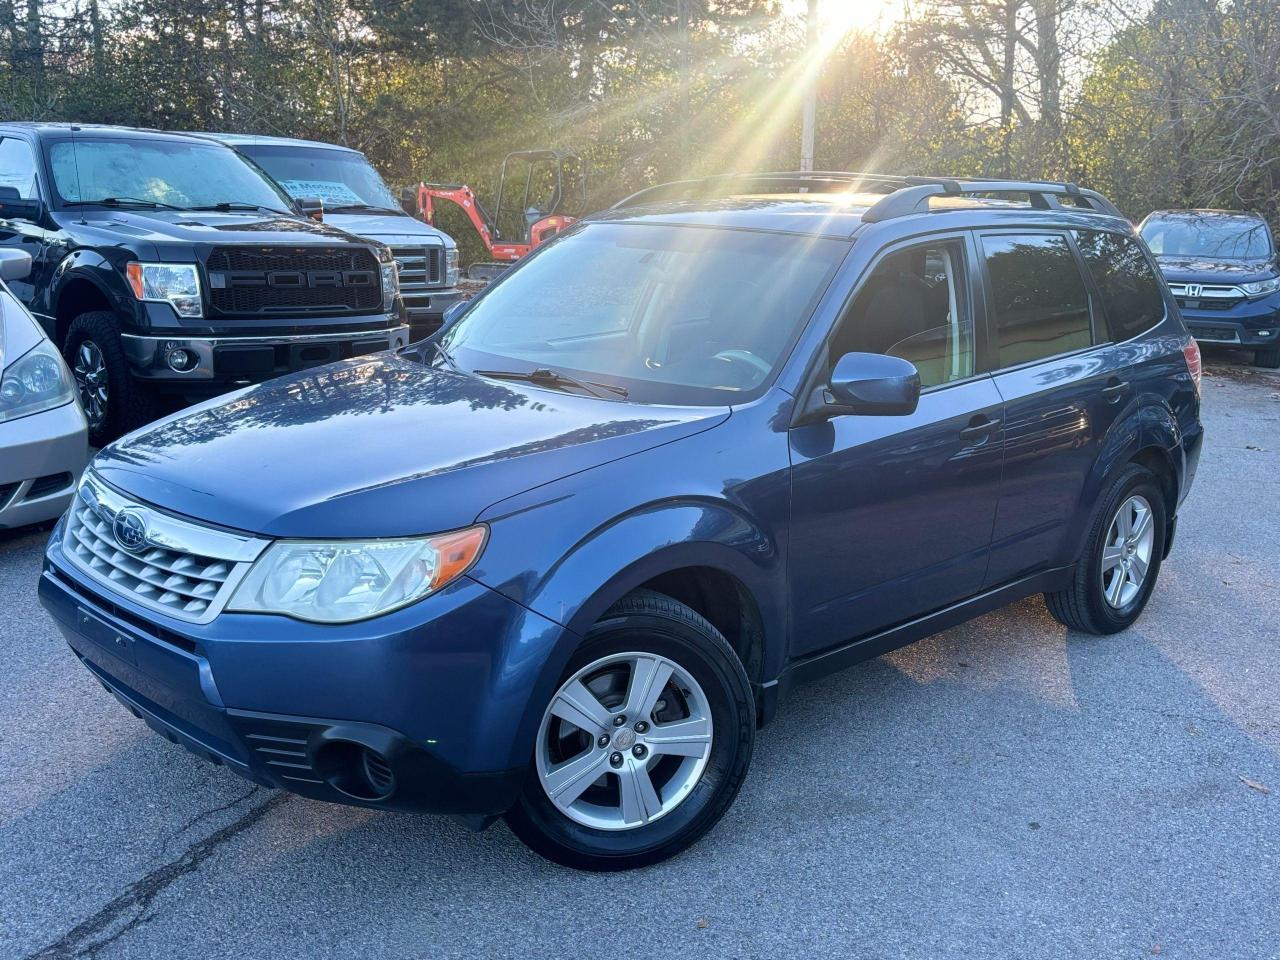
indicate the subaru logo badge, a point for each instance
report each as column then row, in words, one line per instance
column 130, row 529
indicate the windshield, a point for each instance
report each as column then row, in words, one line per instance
column 340, row 178
column 684, row 315
column 1211, row 237
column 178, row 173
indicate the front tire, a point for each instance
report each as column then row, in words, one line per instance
column 114, row 403
column 1268, row 358
column 643, row 746
column 1118, row 569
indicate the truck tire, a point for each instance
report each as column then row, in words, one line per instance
column 114, row 402
column 1268, row 358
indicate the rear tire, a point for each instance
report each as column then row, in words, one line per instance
column 1268, row 358
column 1120, row 563
column 114, row 402
column 592, row 826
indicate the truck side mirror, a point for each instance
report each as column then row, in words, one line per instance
column 15, row 207
column 312, row 207
column 453, row 313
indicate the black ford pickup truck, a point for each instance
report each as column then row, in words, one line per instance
column 172, row 265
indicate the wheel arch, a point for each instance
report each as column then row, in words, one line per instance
column 77, row 292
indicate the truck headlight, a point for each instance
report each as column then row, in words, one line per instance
column 177, row 284
column 38, row 380
column 342, row 581
column 390, row 283
column 451, row 271
column 1261, row 287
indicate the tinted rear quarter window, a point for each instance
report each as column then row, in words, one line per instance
column 1038, row 298
column 1131, row 293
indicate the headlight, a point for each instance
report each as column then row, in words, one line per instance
column 177, row 284
column 390, row 283
column 1260, row 287
column 451, row 272
column 36, row 381
column 347, row 580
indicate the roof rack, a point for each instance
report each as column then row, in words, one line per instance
column 903, row 195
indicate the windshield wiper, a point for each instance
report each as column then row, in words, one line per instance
column 444, row 354
column 545, row 377
column 226, row 206
column 362, row 207
column 122, row 202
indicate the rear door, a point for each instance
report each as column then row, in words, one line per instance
column 1063, row 383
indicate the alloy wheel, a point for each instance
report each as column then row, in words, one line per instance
column 624, row 741
column 1126, row 553
column 90, row 372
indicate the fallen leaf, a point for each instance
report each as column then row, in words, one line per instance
column 1255, row 785
column 703, row 924
column 1157, row 950
column 1252, row 446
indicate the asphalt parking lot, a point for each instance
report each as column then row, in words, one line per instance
column 1005, row 789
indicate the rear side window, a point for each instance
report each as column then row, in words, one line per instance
column 1130, row 291
column 1038, row 297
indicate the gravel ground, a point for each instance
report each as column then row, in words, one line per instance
column 1004, row 789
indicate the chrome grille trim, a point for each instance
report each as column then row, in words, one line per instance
column 1209, row 291
column 422, row 273
column 184, row 569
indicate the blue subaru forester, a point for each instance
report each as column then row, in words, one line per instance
column 558, row 562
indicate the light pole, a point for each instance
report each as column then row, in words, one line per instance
column 811, row 91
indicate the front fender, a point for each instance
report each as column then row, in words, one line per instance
column 620, row 556
column 90, row 266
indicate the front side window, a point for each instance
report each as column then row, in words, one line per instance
column 18, row 168
column 180, row 173
column 686, row 315
column 912, row 306
column 1212, row 236
column 1038, row 297
column 344, row 181
column 1130, row 291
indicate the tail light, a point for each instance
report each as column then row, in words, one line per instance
column 1191, row 353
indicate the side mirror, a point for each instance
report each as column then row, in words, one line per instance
column 453, row 313
column 14, row 207
column 873, row 384
column 312, row 207
column 14, row 265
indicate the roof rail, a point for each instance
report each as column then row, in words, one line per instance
column 903, row 195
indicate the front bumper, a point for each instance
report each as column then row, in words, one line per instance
column 226, row 361
column 426, row 309
column 1250, row 323
column 41, row 457
column 440, row 691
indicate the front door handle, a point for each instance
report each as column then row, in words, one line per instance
column 979, row 427
column 1115, row 389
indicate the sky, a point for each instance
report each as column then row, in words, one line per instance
column 847, row 15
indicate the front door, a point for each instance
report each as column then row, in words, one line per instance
column 892, row 516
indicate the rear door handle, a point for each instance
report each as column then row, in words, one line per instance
column 979, row 427
column 1115, row 389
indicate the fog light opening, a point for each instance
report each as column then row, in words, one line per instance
column 181, row 360
column 355, row 770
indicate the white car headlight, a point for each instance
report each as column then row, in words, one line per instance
column 451, row 273
column 1260, row 287
column 177, row 284
column 346, row 580
column 390, row 283
column 36, row 381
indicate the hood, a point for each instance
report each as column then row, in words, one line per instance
column 379, row 447
column 184, row 228
column 1201, row 270
column 389, row 228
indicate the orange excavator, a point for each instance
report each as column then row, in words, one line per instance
column 553, row 180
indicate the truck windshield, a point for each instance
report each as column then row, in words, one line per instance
column 1213, row 237
column 670, row 314
column 186, row 174
column 345, row 181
